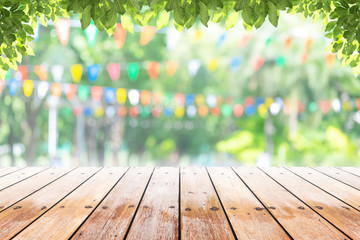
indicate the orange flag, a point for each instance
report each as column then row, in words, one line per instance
column 330, row 59
column 153, row 70
column 308, row 44
column 147, row 33
column 24, row 72
column 62, row 28
column 119, row 36
column 288, row 43
column 171, row 67
column 56, row 90
column 41, row 71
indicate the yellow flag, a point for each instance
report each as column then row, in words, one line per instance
column 179, row 112
column 121, row 95
column 213, row 64
column 28, row 87
column 197, row 36
column 200, row 99
column 76, row 72
column 99, row 111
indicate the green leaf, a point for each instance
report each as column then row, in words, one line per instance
column 273, row 14
column 85, row 17
column 162, row 20
column 204, row 14
column 248, row 15
column 111, row 17
column 127, row 23
column 231, row 20
column 179, row 15
column 218, row 16
column 28, row 29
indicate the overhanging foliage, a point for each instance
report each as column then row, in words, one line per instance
column 18, row 19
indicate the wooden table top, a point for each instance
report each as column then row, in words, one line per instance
column 179, row 203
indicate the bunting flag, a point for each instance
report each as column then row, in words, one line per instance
column 145, row 97
column 226, row 110
column 213, row 64
column 134, row 111
column 114, row 71
column 288, row 43
column 70, row 91
column 76, row 72
column 336, row 104
column 110, row 95
column 110, row 111
column 172, row 38
column 23, row 70
column 119, row 36
column 13, row 86
column 57, row 72
column 258, row 62
column 235, row 63
column 133, row 71
column 171, row 68
column 2, row 84
column 199, row 99
column 189, row 99
column 62, row 28
column 77, row 111
column 324, row 106
column 122, row 111
column 280, row 61
column 147, row 33
column 168, row 112
column 91, row 33
column 41, row 72
column 330, row 59
column 238, row 110
column 56, row 90
column 215, row 111
column 197, row 36
column 153, row 70
column 179, row 112
column 42, row 89
column 83, row 92
column 179, row 99
column 193, row 67
column 93, row 72
column 121, row 95
column 244, row 40
column 304, row 58
column 156, row 111
column 191, row 111
column 221, row 40
column 88, row 111
column 96, row 93
column 203, row 110
column 308, row 44
column 358, row 103
column 99, row 111
column 28, row 87
column 211, row 100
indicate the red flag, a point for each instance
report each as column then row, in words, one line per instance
column 24, row 72
column 96, row 93
column 70, row 91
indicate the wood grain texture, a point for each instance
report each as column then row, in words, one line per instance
column 353, row 170
column 240, row 205
column 335, row 211
column 202, row 216
column 24, row 188
column 342, row 176
column 18, row 176
column 6, row 171
column 14, row 219
column 159, row 210
column 340, row 190
column 61, row 221
column 298, row 219
column 112, row 217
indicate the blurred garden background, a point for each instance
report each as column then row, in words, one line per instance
column 206, row 97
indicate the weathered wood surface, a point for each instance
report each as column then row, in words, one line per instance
column 179, row 203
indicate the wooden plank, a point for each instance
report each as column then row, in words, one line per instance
column 240, row 205
column 202, row 216
column 158, row 213
column 6, row 171
column 61, row 221
column 353, row 170
column 335, row 211
column 18, row 176
column 24, row 188
column 340, row 190
column 14, row 219
column 113, row 216
column 342, row 176
column 297, row 218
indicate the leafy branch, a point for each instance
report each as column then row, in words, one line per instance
column 18, row 19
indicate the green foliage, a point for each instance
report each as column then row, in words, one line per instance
column 19, row 17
